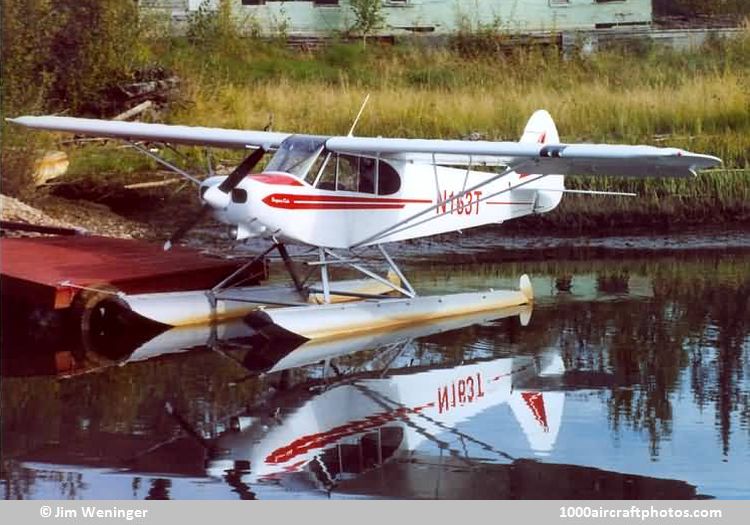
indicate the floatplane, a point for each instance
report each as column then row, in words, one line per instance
column 341, row 195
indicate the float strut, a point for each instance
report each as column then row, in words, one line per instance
column 289, row 267
column 324, row 277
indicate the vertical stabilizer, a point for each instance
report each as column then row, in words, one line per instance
column 539, row 414
column 540, row 129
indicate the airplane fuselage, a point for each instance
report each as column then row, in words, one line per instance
column 288, row 207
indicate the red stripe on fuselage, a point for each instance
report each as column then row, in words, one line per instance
column 320, row 440
column 336, row 202
column 331, row 206
column 344, row 198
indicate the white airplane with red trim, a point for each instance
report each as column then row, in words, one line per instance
column 347, row 192
column 344, row 192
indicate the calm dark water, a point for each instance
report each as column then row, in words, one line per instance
column 630, row 380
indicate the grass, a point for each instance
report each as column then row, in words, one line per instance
column 714, row 197
column 698, row 100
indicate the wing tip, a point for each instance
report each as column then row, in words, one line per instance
column 698, row 161
column 707, row 161
column 22, row 120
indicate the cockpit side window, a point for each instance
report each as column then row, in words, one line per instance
column 325, row 172
column 348, row 173
column 358, row 174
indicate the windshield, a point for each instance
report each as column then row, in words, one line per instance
column 296, row 154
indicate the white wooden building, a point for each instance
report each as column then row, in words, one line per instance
column 326, row 17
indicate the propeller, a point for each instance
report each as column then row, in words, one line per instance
column 189, row 225
column 219, row 196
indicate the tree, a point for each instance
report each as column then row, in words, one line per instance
column 28, row 30
column 62, row 55
column 59, row 55
column 214, row 25
column 368, row 16
column 97, row 47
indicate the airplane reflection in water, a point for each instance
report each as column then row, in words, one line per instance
column 385, row 424
column 395, row 414
column 266, row 350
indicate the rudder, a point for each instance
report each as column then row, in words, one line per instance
column 540, row 129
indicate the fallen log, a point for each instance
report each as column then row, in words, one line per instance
column 154, row 184
column 135, row 110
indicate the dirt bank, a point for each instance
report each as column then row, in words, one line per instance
column 94, row 218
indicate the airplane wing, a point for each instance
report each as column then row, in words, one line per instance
column 214, row 137
column 542, row 159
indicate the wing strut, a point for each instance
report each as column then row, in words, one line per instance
column 164, row 162
column 396, row 269
column 372, row 275
column 390, row 229
column 428, row 219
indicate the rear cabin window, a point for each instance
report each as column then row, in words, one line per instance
column 356, row 174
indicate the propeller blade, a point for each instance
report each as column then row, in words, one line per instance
column 187, row 427
column 241, row 171
column 212, row 199
column 189, row 225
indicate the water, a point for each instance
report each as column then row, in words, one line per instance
column 630, row 380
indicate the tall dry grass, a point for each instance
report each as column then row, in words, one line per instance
column 698, row 100
column 710, row 113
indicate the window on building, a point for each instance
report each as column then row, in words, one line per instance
column 253, row 2
column 325, row 2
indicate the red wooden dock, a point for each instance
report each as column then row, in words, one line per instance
column 50, row 271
